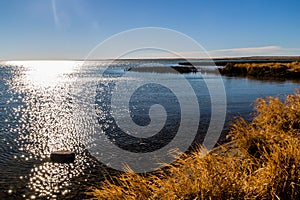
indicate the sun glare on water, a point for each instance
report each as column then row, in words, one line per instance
column 46, row 73
column 48, row 119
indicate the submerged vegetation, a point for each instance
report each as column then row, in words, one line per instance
column 263, row 70
column 267, row 168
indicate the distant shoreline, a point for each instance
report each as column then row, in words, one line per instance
column 252, row 59
column 218, row 60
column 278, row 70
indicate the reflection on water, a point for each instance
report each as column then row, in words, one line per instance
column 39, row 117
column 45, row 73
column 41, row 111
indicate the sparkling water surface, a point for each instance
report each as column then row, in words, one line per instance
column 48, row 105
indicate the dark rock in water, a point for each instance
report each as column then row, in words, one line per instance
column 165, row 69
column 63, row 156
column 184, row 70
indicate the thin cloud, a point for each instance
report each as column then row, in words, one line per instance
column 55, row 16
column 65, row 13
column 233, row 52
column 250, row 49
column 255, row 51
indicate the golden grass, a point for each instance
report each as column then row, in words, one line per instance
column 268, row 169
column 292, row 66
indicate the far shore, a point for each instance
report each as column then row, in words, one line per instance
column 240, row 60
column 253, row 67
column 262, row 67
column 289, row 70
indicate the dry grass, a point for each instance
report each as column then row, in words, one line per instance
column 292, row 66
column 269, row 169
column 263, row 70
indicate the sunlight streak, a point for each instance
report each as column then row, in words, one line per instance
column 46, row 73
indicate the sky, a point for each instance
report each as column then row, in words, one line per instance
column 70, row 29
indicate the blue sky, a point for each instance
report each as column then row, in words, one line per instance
column 58, row 29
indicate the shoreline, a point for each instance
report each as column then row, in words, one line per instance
column 192, row 60
column 235, row 60
column 277, row 70
column 259, row 69
column 261, row 162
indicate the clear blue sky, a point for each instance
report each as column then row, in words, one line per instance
column 57, row 29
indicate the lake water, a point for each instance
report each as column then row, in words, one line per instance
column 53, row 105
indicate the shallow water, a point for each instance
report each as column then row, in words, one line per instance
column 52, row 105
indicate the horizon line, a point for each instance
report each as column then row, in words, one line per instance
column 153, row 58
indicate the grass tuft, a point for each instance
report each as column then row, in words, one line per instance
column 269, row 167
